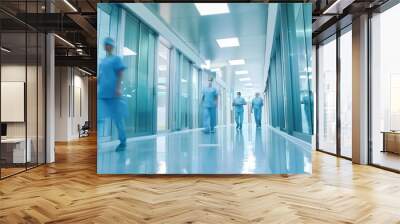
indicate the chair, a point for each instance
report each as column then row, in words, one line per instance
column 84, row 129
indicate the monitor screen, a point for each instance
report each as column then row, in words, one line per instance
column 3, row 129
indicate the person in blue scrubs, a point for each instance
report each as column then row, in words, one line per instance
column 111, row 102
column 256, row 108
column 238, row 104
column 209, row 103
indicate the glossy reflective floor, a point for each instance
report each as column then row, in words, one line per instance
column 227, row 151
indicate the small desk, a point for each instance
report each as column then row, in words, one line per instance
column 15, row 148
column 391, row 141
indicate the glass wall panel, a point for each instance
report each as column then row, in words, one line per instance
column 195, row 97
column 346, row 94
column 136, row 44
column 41, row 99
column 289, row 88
column 185, row 106
column 15, row 149
column 32, row 97
column 327, row 96
column 385, row 85
column 131, row 42
column 162, row 87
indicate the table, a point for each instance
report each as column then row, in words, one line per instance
column 391, row 141
column 13, row 150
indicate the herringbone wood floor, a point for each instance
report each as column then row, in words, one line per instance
column 70, row 191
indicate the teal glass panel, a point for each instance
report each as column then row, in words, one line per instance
column 143, row 75
column 185, row 106
column 131, row 42
column 163, row 87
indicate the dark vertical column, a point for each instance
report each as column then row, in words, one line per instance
column 338, row 74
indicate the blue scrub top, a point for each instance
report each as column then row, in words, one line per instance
column 110, row 66
column 257, row 103
column 238, row 103
column 209, row 96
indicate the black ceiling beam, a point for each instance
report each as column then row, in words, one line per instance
column 49, row 22
column 78, row 61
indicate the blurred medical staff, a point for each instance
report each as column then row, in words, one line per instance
column 209, row 102
column 256, row 108
column 238, row 104
column 111, row 103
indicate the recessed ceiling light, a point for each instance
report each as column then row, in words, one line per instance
column 244, row 79
column 127, row 52
column 248, row 84
column 242, row 72
column 206, row 9
column 237, row 62
column 183, row 80
column 228, row 42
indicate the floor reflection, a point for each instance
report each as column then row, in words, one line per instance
column 228, row 151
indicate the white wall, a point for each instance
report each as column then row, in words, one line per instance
column 71, row 102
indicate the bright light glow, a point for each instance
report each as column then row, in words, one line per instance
column 183, row 80
column 237, row 62
column 207, row 64
column 244, row 79
column 228, row 42
column 333, row 6
column 162, row 68
column 127, row 52
column 215, row 69
column 242, row 72
column 206, row 9
column 163, row 87
column 65, row 41
column 70, row 5
column 303, row 77
column 5, row 50
column 86, row 72
column 248, row 84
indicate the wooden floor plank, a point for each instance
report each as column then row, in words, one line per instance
column 70, row 191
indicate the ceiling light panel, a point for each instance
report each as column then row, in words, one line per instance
column 206, row 9
column 242, row 72
column 228, row 42
column 237, row 62
column 244, row 79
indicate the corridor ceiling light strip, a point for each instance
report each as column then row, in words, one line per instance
column 237, row 62
column 5, row 50
column 206, row 9
column 64, row 40
column 70, row 5
column 244, row 79
column 242, row 72
column 248, row 84
column 228, row 42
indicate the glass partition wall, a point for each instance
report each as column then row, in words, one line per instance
column 160, row 84
column 385, row 90
column 334, row 94
column 22, row 77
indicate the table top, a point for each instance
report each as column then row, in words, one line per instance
column 13, row 140
column 391, row 132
